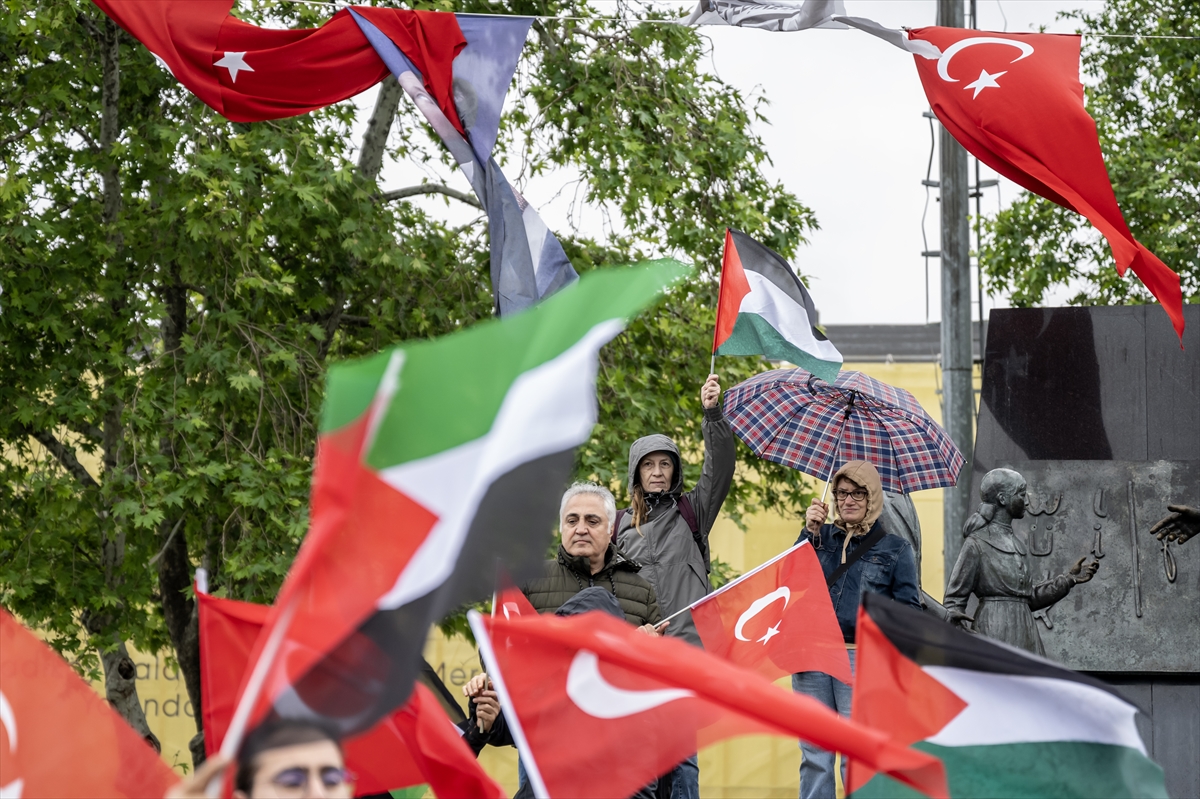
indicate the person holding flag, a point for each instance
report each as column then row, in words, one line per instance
column 666, row 529
column 858, row 556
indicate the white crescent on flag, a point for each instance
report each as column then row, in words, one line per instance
column 9, row 720
column 944, row 62
column 597, row 697
column 756, row 607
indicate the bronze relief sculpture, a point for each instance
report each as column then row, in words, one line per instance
column 994, row 565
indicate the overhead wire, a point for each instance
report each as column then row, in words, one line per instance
column 679, row 20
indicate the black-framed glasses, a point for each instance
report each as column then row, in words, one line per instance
column 295, row 778
column 859, row 494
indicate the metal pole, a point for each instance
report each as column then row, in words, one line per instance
column 957, row 398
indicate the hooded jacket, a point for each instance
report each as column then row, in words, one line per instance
column 671, row 558
column 887, row 569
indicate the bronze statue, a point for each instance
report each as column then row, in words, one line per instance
column 994, row 565
column 1182, row 523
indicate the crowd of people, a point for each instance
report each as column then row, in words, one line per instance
column 649, row 562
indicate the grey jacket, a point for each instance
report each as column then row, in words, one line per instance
column 670, row 558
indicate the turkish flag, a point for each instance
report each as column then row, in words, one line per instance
column 646, row 703
column 776, row 620
column 250, row 74
column 511, row 602
column 416, row 744
column 1023, row 116
column 58, row 738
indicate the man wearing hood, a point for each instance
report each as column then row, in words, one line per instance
column 666, row 529
column 857, row 555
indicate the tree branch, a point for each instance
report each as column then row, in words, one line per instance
column 431, row 188
column 63, row 454
column 374, row 144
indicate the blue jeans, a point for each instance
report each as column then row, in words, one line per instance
column 685, row 779
column 816, row 769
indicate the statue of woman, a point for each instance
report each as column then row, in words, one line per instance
column 994, row 565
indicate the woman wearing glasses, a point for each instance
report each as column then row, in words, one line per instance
column 857, row 556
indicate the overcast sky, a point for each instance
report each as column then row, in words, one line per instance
column 846, row 136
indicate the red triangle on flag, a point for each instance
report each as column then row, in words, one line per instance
column 734, row 288
column 894, row 694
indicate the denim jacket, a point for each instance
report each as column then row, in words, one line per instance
column 888, row 568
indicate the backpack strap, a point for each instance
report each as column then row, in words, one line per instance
column 684, row 506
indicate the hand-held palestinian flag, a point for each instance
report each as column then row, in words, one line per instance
column 776, row 620
column 415, row 745
column 1005, row 722
column 249, row 74
column 597, row 679
column 436, row 460
column 764, row 309
column 57, row 737
column 1024, row 117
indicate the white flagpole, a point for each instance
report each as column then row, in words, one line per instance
column 514, row 722
column 732, row 583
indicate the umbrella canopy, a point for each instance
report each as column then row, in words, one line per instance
column 795, row 418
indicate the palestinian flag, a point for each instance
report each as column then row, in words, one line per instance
column 764, row 309
column 436, row 462
column 1005, row 722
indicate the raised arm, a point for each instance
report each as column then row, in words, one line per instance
column 719, row 458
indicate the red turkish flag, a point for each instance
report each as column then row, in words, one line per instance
column 776, row 620
column 511, row 602
column 416, row 744
column 250, row 74
column 646, row 703
column 58, row 738
column 1023, row 116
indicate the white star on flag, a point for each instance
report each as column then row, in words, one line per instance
column 986, row 81
column 771, row 633
column 236, row 62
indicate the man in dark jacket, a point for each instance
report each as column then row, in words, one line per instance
column 666, row 529
column 487, row 725
column 886, row 568
column 587, row 557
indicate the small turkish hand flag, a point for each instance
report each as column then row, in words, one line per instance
column 640, row 704
column 511, row 602
column 416, row 744
column 250, row 74
column 1014, row 101
column 776, row 620
column 57, row 737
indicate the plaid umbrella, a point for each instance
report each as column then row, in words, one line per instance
column 795, row 418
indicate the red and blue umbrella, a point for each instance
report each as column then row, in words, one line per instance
column 792, row 417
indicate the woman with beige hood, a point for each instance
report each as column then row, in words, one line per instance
column 857, row 555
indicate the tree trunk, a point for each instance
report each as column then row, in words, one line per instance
column 120, row 689
column 174, row 565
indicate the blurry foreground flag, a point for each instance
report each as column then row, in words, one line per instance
column 595, row 679
column 764, row 309
column 57, row 737
column 437, row 462
column 776, row 620
column 415, row 745
column 1005, row 722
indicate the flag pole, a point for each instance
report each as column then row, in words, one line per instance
column 712, row 364
column 732, row 583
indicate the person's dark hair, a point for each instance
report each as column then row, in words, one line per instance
column 277, row 734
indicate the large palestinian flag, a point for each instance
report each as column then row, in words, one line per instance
column 436, row 462
column 764, row 309
column 1005, row 722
